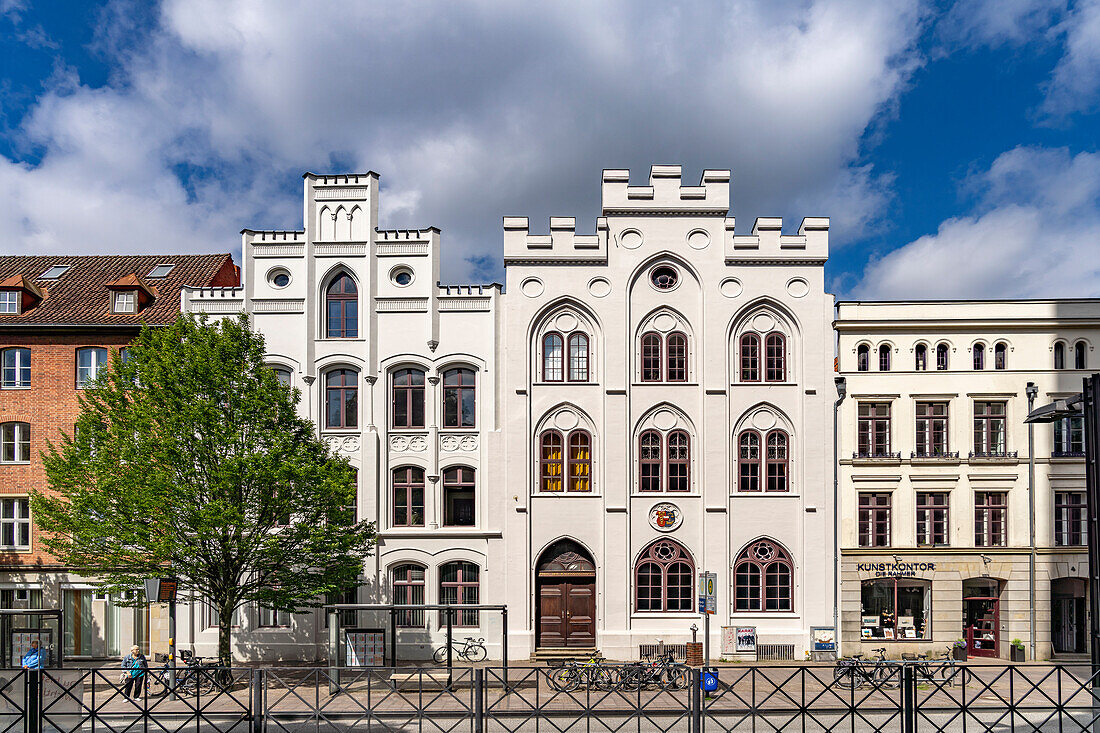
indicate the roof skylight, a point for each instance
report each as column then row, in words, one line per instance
column 54, row 272
column 161, row 270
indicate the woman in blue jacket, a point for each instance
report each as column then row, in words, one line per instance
column 137, row 665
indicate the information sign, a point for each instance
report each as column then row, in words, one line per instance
column 365, row 647
column 708, row 589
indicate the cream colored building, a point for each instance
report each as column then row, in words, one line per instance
column 936, row 511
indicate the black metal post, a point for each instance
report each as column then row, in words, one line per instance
column 479, row 700
column 393, row 638
column 697, row 700
column 908, row 699
column 1092, row 504
column 504, row 649
column 450, row 661
column 333, row 650
column 32, row 704
column 171, row 649
column 258, row 712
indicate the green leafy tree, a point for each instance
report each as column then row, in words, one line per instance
column 189, row 459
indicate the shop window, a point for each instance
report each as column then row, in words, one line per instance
column 932, row 518
column 1069, row 519
column 895, row 608
column 990, row 518
column 874, row 519
column 664, row 578
column 408, row 590
column 459, row 585
column 931, row 429
column 763, row 578
column 920, row 358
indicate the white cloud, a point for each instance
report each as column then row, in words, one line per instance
column 1075, row 84
column 998, row 22
column 469, row 111
column 1035, row 234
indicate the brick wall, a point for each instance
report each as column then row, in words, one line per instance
column 50, row 406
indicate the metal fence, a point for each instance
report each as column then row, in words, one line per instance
column 895, row 697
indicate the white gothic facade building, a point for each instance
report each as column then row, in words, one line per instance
column 636, row 406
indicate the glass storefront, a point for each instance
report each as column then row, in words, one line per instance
column 895, row 609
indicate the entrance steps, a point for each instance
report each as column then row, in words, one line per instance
column 565, row 654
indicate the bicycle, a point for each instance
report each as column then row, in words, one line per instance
column 665, row 672
column 593, row 674
column 470, row 650
column 856, row 671
column 193, row 677
column 942, row 666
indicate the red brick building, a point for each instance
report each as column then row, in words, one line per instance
column 60, row 319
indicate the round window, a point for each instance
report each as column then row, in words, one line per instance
column 279, row 278
column 401, row 276
column 663, row 277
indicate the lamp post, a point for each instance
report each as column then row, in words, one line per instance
column 163, row 590
column 841, row 393
column 1031, row 390
column 1086, row 403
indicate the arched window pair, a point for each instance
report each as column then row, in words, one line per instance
column 664, row 461
column 565, row 359
column 342, row 308
column 459, row 508
column 565, row 461
column 763, row 578
column 674, row 366
column 1080, row 360
column 999, row 353
column 459, row 398
column 768, row 470
column 663, row 578
column 459, row 583
column 775, row 358
column 863, row 358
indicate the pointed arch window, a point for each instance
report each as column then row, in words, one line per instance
column 663, row 578
column 941, row 357
column 408, row 398
column 342, row 308
column 578, row 357
column 651, row 357
column 863, row 358
column 677, row 357
column 884, row 358
column 763, row 578
column 552, row 358
column 650, row 460
column 1079, row 358
column 750, row 357
column 773, row 465
column 1000, row 354
column 775, row 357
column 920, row 358
column 979, row 357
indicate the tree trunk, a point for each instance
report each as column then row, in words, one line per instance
column 225, row 636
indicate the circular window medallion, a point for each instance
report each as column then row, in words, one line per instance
column 798, row 288
column 278, row 278
column 763, row 323
column 664, row 277
column 763, row 420
column 599, row 287
column 401, row 276
column 566, row 420
column 698, row 239
column 731, row 287
column 763, row 551
column 665, row 420
column 631, row 239
column 665, row 517
column 664, row 322
column 531, row 287
column 566, row 322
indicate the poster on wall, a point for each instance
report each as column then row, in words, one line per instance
column 746, row 640
column 823, row 638
column 365, row 647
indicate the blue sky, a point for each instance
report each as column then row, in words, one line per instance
column 953, row 144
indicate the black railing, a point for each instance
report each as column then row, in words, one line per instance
column 1067, row 454
column 857, row 455
column 993, row 454
column 851, row 695
column 934, row 454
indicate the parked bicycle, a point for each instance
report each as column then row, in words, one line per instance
column 193, row 676
column 593, row 674
column 855, row 671
column 939, row 670
column 663, row 672
column 470, row 650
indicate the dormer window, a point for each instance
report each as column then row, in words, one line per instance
column 125, row 301
column 9, row 301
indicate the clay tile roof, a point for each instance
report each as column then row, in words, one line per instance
column 20, row 282
column 81, row 296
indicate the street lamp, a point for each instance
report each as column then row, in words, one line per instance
column 163, row 590
column 1032, row 391
column 1086, row 403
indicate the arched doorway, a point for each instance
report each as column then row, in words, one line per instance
column 565, row 597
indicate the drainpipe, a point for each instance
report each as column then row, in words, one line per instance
column 1031, row 391
column 841, row 392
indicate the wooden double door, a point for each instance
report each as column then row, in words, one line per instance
column 566, row 607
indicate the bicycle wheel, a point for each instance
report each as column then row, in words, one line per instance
column 679, row 676
column 628, row 678
column 844, row 675
column 158, row 685
column 605, row 678
column 440, row 655
column 565, row 679
column 886, row 676
column 476, row 653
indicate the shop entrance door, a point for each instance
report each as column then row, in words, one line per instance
column 1067, row 616
column 565, row 603
column 981, row 617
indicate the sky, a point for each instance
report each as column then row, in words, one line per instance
column 953, row 144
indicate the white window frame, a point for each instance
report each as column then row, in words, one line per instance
column 15, row 514
column 94, row 366
column 18, row 428
column 124, row 301
column 22, row 365
column 9, row 301
column 270, row 618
